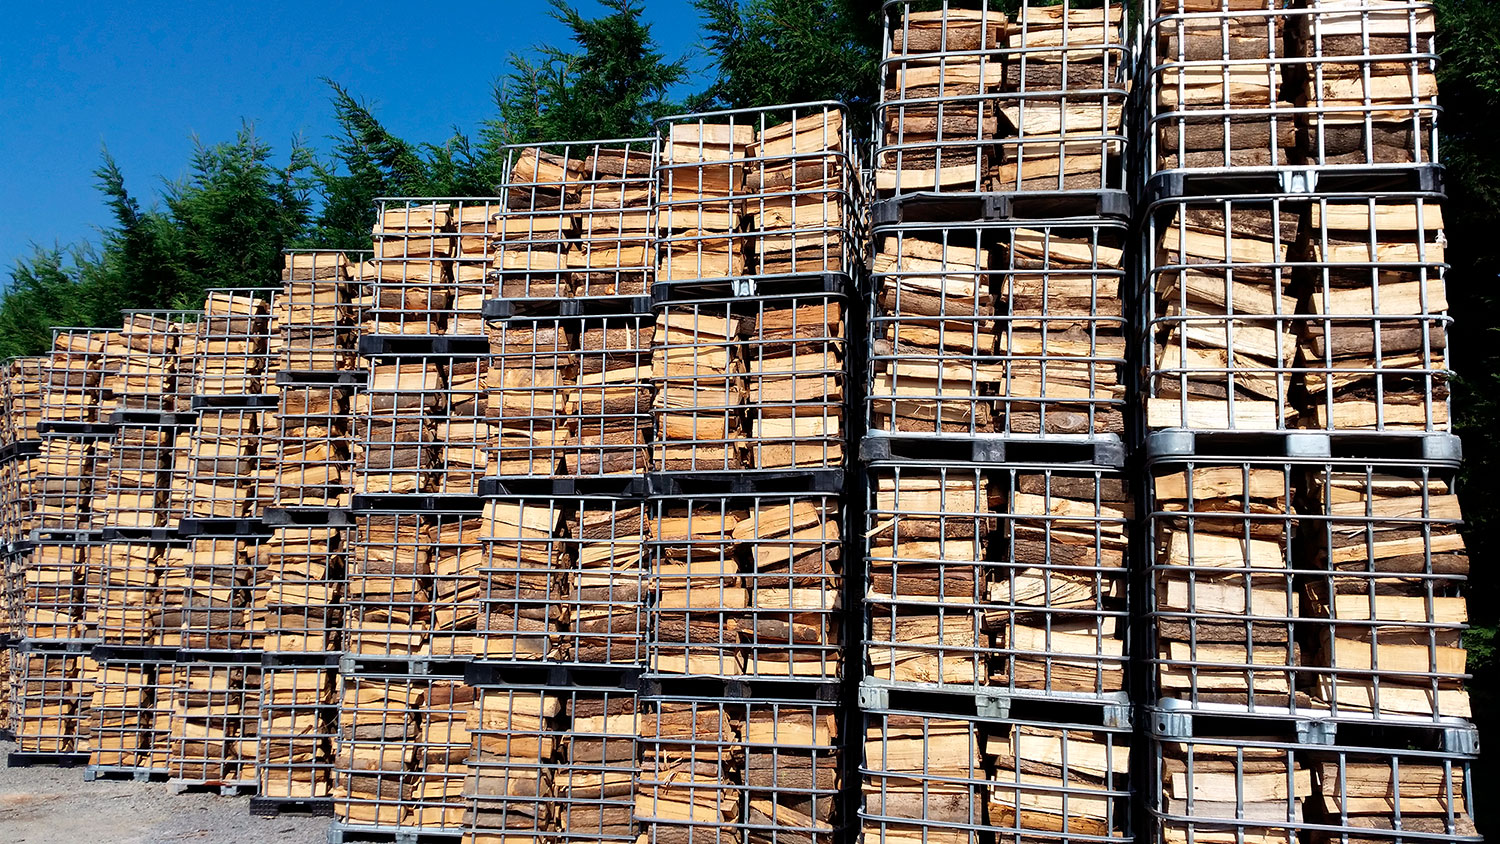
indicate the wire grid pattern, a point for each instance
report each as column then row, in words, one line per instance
column 231, row 353
column 975, row 101
column 130, row 718
column 301, row 607
column 298, row 723
column 1270, row 84
column 569, row 396
column 413, row 585
column 395, row 426
column 137, row 489
column 578, row 221
column 144, row 368
column 767, row 192
column 430, row 266
column 1308, row 587
column 697, row 371
column 49, row 696
column 314, row 463
column 316, row 310
column 950, row 778
column 72, row 373
column 224, row 473
column 25, row 399
column 47, row 583
column 1015, row 329
column 124, row 598
column 400, row 757
column 1270, row 789
column 1011, row 578
column 747, row 586
column 214, row 722
column 1279, row 313
column 739, row 770
column 59, row 483
column 563, row 579
column 210, row 589
column 466, row 433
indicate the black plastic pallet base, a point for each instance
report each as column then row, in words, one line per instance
column 747, row 287
column 1112, row 710
column 23, row 759
column 933, row 207
column 58, row 536
column 745, row 482
column 152, row 418
column 57, row 646
column 223, row 528
column 75, row 429
column 256, row 401
column 342, row 834
column 128, row 534
column 270, row 807
column 229, row 656
column 1105, row 451
column 1295, row 180
column 416, row 345
column 307, row 659
column 604, row 485
column 417, row 503
column 223, row 789
column 323, row 378
column 19, row 449
column 567, row 307
column 135, row 653
column 307, row 517
column 21, row 546
column 1372, row 445
column 482, row 672
column 417, row 666
column 774, row 688
column 94, row 773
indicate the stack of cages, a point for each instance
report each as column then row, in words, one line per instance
column 759, row 246
column 304, row 553
column 411, row 592
column 212, row 582
column 50, row 533
column 995, row 693
column 18, row 440
column 1305, row 600
column 566, row 523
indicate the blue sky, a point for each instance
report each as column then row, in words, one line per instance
column 145, row 77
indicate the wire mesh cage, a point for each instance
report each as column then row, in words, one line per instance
column 298, row 723
column 231, row 353
column 145, row 369
column 747, row 586
column 50, row 694
column 400, row 758
column 129, row 715
column 467, row 433
column 761, row 770
column 563, row 579
column 49, row 595
column 59, row 482
column 578, row 222
column 24, row 396
column 314, row 463
column 413, row 585
column 214, row 723
column 768, row 192
column 569, row 396
column 430, row 266
column 316, row 319
column 557, row 764
column 395, row 426
column 698, row 375
column 137, row 489
column 220, row 475
column 796, row 362
column 1011, row 578
column 1268, row 788
column 975, row 101
column 942, row 777
column 124, row 599
column 210, row 588
column 300, row 610
column 1275, row 313
column 72, row 375
column 1009, row 329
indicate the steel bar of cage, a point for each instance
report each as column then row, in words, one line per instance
column 130, row 717
column 138, row 490
column 225, row 472
column 770, row 193
column 314, row 449
column 51, row 691
column 24, row 397
column 211, row 589
column 975, row 101
column 48, row 600
column 298, row 725
column 72, row 376
column 430, row 268
column 395, row 426
column 125, row 600
column 215, row 706
column 301, row 610
column 1009, row 580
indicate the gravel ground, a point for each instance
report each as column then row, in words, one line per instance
column 55, row 806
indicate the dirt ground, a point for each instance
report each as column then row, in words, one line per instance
column 55, row 806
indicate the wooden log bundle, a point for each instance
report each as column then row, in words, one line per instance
column 123, row 591
column 538, row 227
column 222, row 474
column 51, row 584
column 1370, row 84
column 686, row 791
column 701, row 205
column 1225, row 604
column 129, row 716
column 525, row 574
column 138, row 478
column 607, row 589
column 51, row 691
column 215, row 721
column 1047, row 779
column 1376, row 796
column 457, row 558
column 314, row 453
column 59, row 484
column 147, row 372
column 608, row 408
column 24, row 399
column 792, row 772
column 229, row 351
column 1390, row 565
column 395, row 448
column 513, row 765
column 210, row 589
column 440, row 767
column 1222, row 791
column 476, row 224
column 925, row 779
column 316, row 316
column 528, row 378
column 794, row 353
column 794, row 584
column 388, row 591
column 413, row 288
column 297, row 723
column 303, row 568
column 799, row 188
column 377, row 749
column 700, row 599
column 698, row 372
column 71, row 375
